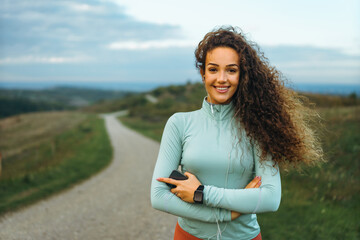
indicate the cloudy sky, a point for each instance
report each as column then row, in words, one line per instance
column 132, row 41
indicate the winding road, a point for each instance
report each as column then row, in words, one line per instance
column 114, row 204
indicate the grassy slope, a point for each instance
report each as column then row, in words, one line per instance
column 323, row 203
column 43, row 156
column 320, row 203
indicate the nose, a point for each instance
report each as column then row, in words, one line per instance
column 222, row 76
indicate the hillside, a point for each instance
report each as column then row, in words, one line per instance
column 46, row 152
column 18, row 101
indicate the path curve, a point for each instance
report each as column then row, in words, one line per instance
column 114, row 204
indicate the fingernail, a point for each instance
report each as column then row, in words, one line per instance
column 158, row 179
column 260, row 182
column 257, row 177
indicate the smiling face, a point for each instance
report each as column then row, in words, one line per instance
column 221, row 74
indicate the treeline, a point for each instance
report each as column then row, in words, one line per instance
column 14, row 106
column 321, row 100
column 66, row 95
column 18, row 101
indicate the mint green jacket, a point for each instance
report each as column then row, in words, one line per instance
column 208, row 144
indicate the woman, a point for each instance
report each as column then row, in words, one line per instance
column 248, row 125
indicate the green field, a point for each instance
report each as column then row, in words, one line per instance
column 44, row 153
column 323, row 203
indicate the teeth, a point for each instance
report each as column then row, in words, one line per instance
column 222, row 88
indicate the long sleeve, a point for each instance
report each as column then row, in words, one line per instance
column 168, row 160
column 255, row 200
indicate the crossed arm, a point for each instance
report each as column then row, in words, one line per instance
column 219, row 204
column 185, row 188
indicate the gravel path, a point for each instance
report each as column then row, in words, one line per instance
column 114, row 204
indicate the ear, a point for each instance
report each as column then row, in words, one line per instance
column 202, row 74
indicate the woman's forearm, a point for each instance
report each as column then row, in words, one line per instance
column 254, row 200
column 162, row 199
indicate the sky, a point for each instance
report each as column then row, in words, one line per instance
column 138, row 41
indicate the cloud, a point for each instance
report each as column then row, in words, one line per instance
column 66, row 28
column 86, row 8
column 312, row 64
column 156, row 44
column 346, row 63
column 96, row 40
column 38, row 59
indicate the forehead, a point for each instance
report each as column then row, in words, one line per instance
column 222, row 55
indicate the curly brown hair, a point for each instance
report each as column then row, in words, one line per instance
column 273, row 116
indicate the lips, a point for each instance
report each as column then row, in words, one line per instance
column 222, row 89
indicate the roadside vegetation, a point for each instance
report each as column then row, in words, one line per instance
column 317, row 203
column 44, row 153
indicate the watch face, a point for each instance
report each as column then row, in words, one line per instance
column 198, row 196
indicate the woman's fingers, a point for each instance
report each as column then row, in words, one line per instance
column 255, row 183
column 168, row 180
column 258, row 184
column 184, row 188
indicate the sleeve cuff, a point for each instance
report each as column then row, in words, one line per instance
column 222, row 215
column 205, row 194
column 212, row 196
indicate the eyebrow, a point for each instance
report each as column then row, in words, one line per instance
column 230, row 65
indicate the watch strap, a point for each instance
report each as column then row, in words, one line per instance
column 200, row 188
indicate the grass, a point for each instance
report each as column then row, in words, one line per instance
column 55, row 160
column 320, row 202
column 26, row 131
column 151, row 130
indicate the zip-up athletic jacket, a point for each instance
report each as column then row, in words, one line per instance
column 208, row 144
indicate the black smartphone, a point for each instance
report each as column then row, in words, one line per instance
column 177, row 175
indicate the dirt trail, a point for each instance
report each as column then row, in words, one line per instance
column 114, row 204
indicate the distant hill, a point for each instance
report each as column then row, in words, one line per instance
column 10, row 106
column 314, row 86
column 16, row 101
column 189, row 97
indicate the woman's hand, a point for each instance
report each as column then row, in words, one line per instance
column 184, row 188
column 255, row 183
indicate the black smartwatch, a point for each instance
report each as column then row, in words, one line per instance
column 198, row 194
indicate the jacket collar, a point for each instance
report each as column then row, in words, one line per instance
column 218, row 112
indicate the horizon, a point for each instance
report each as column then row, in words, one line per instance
column 321, row 88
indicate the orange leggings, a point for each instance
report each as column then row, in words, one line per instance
column 180, row 234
